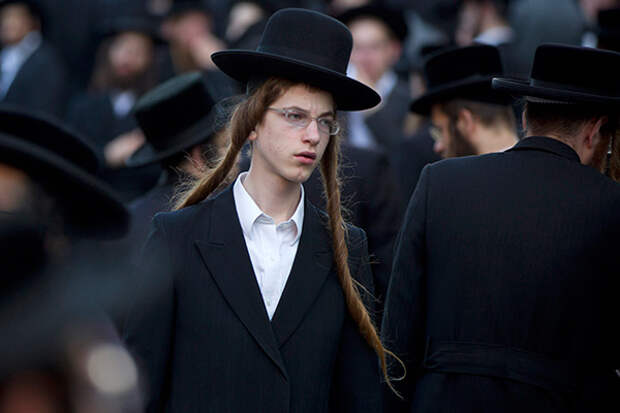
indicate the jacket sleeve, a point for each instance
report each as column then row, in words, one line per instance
column 357, row 379
column 149, row 324
column 403, row 326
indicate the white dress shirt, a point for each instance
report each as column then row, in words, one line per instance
column 272, row 247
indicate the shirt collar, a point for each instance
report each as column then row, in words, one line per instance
column 249, row 212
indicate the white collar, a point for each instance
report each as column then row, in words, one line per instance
column 496, row 36
column 249, row 212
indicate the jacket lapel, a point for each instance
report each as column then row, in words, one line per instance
column 310, row 270
column 225, row 255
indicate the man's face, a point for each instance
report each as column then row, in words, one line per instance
column 374, row 50
column 15, row 23
column 15, row 189
column 450, row 142
column 130, row 55
column 184, row 29
column 468, row 25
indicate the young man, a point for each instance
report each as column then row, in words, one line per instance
column 468, row 116
column 503, row 294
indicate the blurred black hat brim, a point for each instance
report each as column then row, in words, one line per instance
column 200, row 132
column 552, row 94
column 132, row 24
column 244, row 65
column 90, row 208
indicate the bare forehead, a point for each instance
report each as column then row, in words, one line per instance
column 310, row 99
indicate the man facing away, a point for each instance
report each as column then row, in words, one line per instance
column 503, row 295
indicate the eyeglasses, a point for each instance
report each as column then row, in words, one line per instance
column 435, row 133
column 301, row 119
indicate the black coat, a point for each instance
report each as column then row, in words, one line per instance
column 41, row 82
column 372, row 198
column 206, row 342
column 503, row 296
column 94, row 117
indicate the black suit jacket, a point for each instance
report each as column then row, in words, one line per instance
column 387, row 123
column 206, row 342
column 504, row 288
column 41, row 83
column 93, row 115
column 372, row 198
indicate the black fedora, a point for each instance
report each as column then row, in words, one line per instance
column 179, row 7
column 174, row 116
column 464, row 72
column 393, row 19
column 305, row 46
column 569, row 74
column 144, row 24
column 65, row 165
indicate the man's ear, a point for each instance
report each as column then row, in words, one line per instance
column 466, row 123
column 592, row 130
column 252, row 136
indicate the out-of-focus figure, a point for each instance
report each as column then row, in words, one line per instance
column 378, row 33
column 32, row 74
column 58, row 353
column 124, row 70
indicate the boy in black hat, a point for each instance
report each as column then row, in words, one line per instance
column 263, row 310
column 32, row 74
column 468, row 116
column 503, row 294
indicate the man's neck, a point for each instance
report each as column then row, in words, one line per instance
column 275, row 196
column 496, row 139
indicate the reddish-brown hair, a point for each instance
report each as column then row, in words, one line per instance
column 245, row 118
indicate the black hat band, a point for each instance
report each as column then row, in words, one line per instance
column 569, row 88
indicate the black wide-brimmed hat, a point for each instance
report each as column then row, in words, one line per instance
column 65, row 166
column 569, row 74
column 304, row 46
column 465, row 73
column 393, row 19
column 174, row 116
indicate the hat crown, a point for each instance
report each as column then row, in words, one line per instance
column 173, row 108
column 286, row 34
column 461, row 64
column 578, row 69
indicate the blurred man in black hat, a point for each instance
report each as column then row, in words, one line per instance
column 57, row 353
column 32, row 74
column 503, row 294
column 468, row 116
column 378, row 33
column 184, row 130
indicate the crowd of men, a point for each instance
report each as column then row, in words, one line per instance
column 109, row 107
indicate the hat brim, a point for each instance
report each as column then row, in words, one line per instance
column 89, row 206
column 478, row 88
column 200, row 132
column 525, row 89
column 348, row 94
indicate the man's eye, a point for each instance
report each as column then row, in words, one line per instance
column 326, row 122
column 296, row 116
